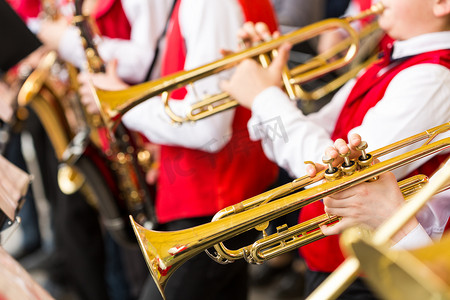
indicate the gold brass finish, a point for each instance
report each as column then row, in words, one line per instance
column 164, row 252
column 348, row 271
column 416, row 275
column 116, row 103
column 69, row 180
column 39, row 92
column 332, row 173
column 123, row 148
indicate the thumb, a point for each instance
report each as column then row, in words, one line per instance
column 280, row 61
column 83, row 77
column 224, row 85
column 225, row 52
column 111, row 67
column 330, row 230
column 337, row 227
column 313, row 168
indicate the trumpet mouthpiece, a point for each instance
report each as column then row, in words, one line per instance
column 375, row 9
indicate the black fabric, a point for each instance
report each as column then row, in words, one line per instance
column 336, row 8
column 155, row 57
column 16, row 39
column 78, row 258
column 27, row 210
column 201, row 278
column 358, row 290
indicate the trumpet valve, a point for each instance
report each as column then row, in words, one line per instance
column 349, row 166
column 262, row 227
column 332, row 173
column 280, row 230
column 365, row 160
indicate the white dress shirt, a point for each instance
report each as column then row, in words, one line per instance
column 417, row 99
column 432, row 218
column 147, row 19
column 207, row 26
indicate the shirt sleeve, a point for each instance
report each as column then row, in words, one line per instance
column 432, row 220
column 288, row 136
column 417, row 238
column 207, row 26
column 415, row 100
column 435, row 215
column 134, row 56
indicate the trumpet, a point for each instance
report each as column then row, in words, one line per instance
column 164, row 252
column 368, row 252
column 113, row 104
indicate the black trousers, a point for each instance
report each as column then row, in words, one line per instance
column 79, row 248
column 358, row 290
column 200, row 278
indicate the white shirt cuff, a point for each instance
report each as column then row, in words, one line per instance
column 267, row 109
column 417, row 238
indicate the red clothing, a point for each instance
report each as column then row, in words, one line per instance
column 194, row 183
column 108, row 15
column 26, row 9
column 325, row 255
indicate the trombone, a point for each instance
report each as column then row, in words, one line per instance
column 113, row 104
column 164, row 252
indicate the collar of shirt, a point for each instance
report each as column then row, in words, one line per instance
column 422, row 43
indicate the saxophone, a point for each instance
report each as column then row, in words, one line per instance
column 124, row 152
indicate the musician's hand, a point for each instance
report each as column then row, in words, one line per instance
column 152, row 174
column 252, row 34
column 250, row 78
column 329, row 39
column 51, row 32
column 105, row 81
column 368, row 203
column 225, row 52
column 7, row 97
column 32, row 60
column 339, row 147
column 313, row 168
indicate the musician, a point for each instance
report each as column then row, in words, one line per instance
column 202, row 164
column 372, row 203
column 129, row 33
column 404, row 93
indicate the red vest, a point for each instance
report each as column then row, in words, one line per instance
column 109, row 16
column 111, row 20
column 325, row 255
column 194, row 183
column 26, row 9
column 363, row 5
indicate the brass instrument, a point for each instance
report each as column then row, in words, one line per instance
column 399, row 274
column 116, row 103
column 164, row 252
column 357, row 244
column 123, row 154
column 107, row 181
